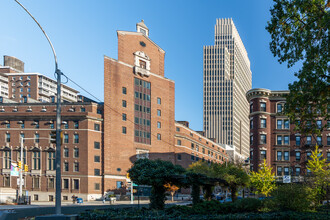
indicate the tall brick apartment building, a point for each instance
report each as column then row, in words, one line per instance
column 139, row 107
column 272, row 136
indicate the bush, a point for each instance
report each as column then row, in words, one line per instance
column 269, row 205
column 292, row 197
column 207, row 207
column 247, row 205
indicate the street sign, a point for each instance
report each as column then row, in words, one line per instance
column 18, row 180
column 286, row 179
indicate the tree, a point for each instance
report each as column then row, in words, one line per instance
column 234, row 176
column 155, row 173
column 263, row 180
column 171, row 188
column 300, row 34
column 321, row 175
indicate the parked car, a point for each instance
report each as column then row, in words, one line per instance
column 229, row 199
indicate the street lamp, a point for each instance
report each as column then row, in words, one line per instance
column 58, row 121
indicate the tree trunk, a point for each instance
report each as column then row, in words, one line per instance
column 195, row 192
column 233, row 190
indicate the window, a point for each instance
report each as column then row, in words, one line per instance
column 22, row 136
column 97, row 126
column 8, row 124
column 36, row 138
column 6, row 159
column 286, row 155
column 124, row 131
column 279, row 140
column 319, row 140
column 298, row 154
column 319, row 124
column 65, row 183
column 192, row 157
column 159, row 101
column 179, row 142
column 308, row 154
column 251, row 139
column 262, row 154
column 23, row 125
column 159, row 112
column 65, row 152
column 97, row 159
column 286, row 171
column 177, row 129
column 76, row 167
column 263, row 139
column 36, row 160
column 179, row 156
column 35, row 197
column 51, row 160
column 286, row 124
column 66, row 167
column 279, row 124
column 124, row 90
column 192, row 146
column 76, row 124
column 97, row 172
column 297, row 171
column 51, row 126
column 286, row 140
column 96, row 145
column 35, row 182
column 297, row 140
column 279, row 108
column 159, row 136
column 263, row 123
column 251, row 124
column 50, row 183
column 124, row 104
column 119, row 184
column 124, row 117
column 309, row 140
column 263, row 106
column 328, row 140
column 8, row 137
column 328, row 156
column 279, row 171
column 279, row 155
column 66, row 138
column 28, row 89
column 96, row 186
column 159, row 125
column 76, row 138
column 19, row 156
column 51, row 198
column 82, row 109
column 251, row 108
column 76, row 152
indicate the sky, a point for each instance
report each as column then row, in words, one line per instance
column 83, row 31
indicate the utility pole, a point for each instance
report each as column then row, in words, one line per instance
column 21, row 173
column 58, row 121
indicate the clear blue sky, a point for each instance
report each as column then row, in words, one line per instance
column 83, row 31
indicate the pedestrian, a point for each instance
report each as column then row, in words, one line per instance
column 103, row 199
column 74, row 199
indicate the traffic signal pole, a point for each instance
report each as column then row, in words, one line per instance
column 21, row 173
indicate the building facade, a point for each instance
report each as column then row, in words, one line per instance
column 227, row 78
column 273, row 136
column 82, row 153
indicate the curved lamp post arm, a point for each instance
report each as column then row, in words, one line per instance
column 50, row 43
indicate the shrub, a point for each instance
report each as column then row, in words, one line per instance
column 247, row 205
column 268, row 205
column 292, row 197
column 207, row 207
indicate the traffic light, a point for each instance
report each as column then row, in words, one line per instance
column 20, row 164
column 53, row 137
column 127, row 175
column 26, row 168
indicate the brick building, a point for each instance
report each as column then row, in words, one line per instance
column 81, row 148
column 139, row 109
column 272, row 136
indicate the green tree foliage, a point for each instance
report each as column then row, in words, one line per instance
column 320, row 175
column 155, row 173
column 294, row 197
column 300, row 34
column 233, row 174
column 263, row 180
